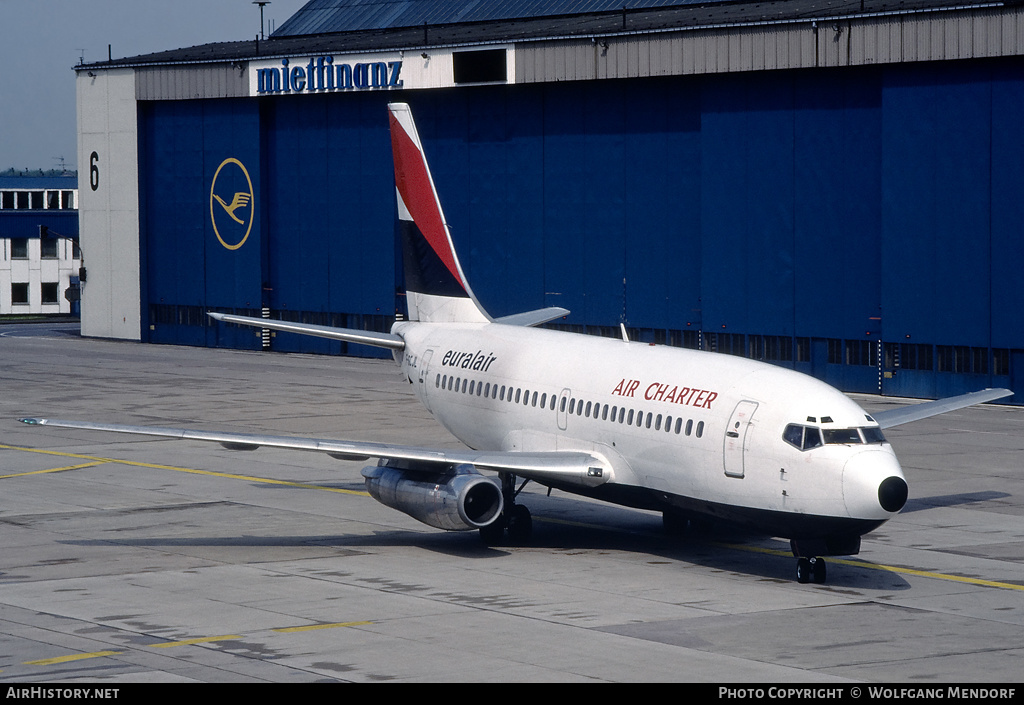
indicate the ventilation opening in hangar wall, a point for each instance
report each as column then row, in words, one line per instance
column 840, row 222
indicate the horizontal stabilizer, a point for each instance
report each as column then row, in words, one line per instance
column 916, row 412
column 347, row 335
column 533, row 318
column 563, row 467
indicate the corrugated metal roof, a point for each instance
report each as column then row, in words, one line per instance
column 661, row 15
column 331, row 16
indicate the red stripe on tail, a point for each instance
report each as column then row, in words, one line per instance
column 417, row 191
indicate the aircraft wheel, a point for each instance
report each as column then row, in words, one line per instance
column 818, row 570
column 493, row 533
column 803, row 570
column 674, row 522
column 520, row 525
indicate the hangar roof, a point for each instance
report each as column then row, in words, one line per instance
column 376, row 25
column 322, row 16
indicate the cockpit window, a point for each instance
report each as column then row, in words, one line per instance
column 807, row 437
column 841, row 436
column 873, row 435
column 802, row 437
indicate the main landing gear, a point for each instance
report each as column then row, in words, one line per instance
column 515, row 518
column 810, row 569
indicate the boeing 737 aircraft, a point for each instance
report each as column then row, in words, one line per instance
column 688, row 433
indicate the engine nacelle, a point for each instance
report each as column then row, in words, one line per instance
column 457, row 498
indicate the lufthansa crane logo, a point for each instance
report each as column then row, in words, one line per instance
column 231, row 203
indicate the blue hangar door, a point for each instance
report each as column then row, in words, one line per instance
column 202, row 247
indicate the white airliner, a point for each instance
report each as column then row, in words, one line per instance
column 691, row 434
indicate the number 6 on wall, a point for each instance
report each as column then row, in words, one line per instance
column 94, row 171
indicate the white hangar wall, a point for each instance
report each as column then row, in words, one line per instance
column 109, row 203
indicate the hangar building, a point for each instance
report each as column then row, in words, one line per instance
column 829, row 186
column 40, row 261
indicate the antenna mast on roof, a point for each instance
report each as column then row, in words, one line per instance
column 261, row 3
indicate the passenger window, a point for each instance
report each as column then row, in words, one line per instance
column 562, row 408
column 700, row 429
column 657, row 423
column 437, row 382
column 629, row 421
column 543, row 400
column 472, row 386
column 679, row 424
column 689, row 427
column 587, row 414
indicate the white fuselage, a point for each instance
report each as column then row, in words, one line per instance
column 678, row 428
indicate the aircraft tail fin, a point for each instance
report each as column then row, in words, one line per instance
column 436, row 287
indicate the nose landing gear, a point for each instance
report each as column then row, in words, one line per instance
column 810, row 569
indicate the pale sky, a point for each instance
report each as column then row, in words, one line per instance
column 41, row 40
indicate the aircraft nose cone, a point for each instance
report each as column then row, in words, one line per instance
column 873, row 485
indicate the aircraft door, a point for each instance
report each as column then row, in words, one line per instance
column 423, row 367
column 736, row 437
column 563, row 408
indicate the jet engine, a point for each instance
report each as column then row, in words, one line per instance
column 454, row 498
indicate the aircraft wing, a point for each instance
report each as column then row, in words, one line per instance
column 533, row 318
column 916, row 412
column 348, row 335
column 568, row 467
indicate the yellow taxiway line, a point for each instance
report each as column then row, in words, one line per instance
column 43, row 472
column 210, row 473
column 889, row 568
column 313, row 627
column 73, row 657
column 199, row 640
column 93, row 460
